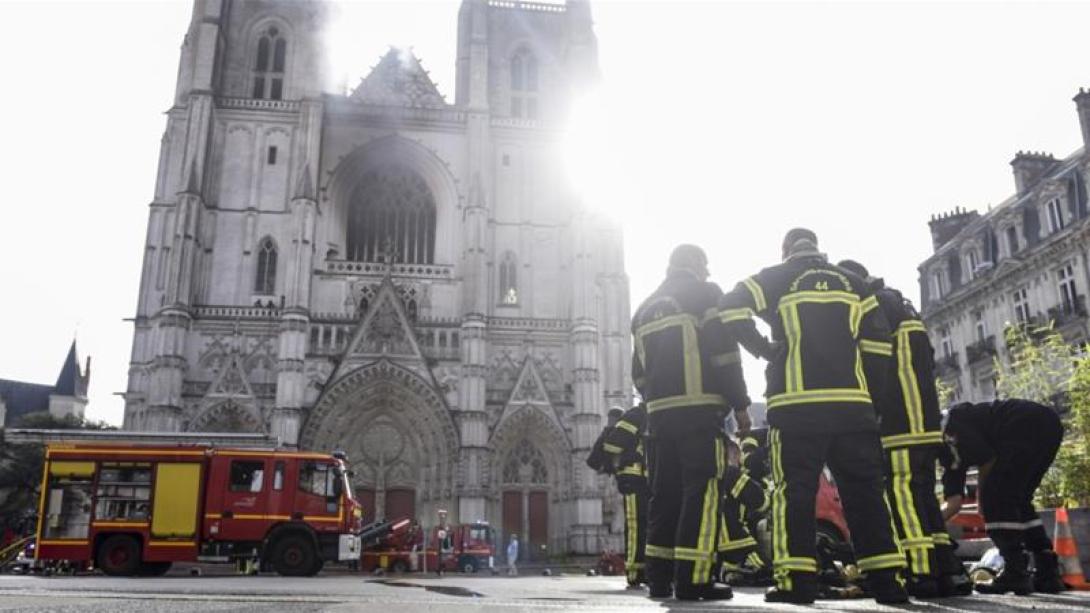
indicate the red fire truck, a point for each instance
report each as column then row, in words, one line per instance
column 134, row 510
column 468, row 548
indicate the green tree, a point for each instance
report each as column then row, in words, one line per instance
column 21, row 468
column 1045, row 369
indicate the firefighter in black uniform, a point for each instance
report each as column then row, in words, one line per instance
column 688, row 371
column 742, row 496
column 830, row 349
column 910, row 424
column 598, row 460
column 624, row 442
column 1012, row 442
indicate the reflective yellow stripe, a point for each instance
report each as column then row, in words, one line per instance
column 869, row 304
column 924, row 542
column 62, row 542
column 906, row 440
column 171, row 544
column 796, row 564
column 912, row 325
column 911, row 527
column 627, row 426
column 635, row 470
column 860, row 375
column 793, row 331
column 687, row 400
column 631, row 530
column 780, row 553
column 819, row 396
column 120, row 524
column 694, row 376
column 757, row 293
column 889, row 560
column 739, row 485
column 728, row 315
column 726, row 359
column 705, row 547
column 741, row 543
column 941, row 538
column 609, row 448
column 910, row 385
column 657, row 551
column 878, row 347
column 819, row 297
column 680, row 319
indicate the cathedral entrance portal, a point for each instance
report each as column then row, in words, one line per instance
column 397, row 434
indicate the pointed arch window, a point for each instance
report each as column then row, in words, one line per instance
column 509, row 289
column 392, row 218
column 524, row 84
column 265, row 281
column 269, row 61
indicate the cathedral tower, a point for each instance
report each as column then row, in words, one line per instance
column 386, row 272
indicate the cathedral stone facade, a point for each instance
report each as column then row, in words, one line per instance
column 384, row 272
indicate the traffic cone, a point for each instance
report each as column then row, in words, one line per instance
column 1070, row 568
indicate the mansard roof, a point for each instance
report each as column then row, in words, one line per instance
column 399, row 80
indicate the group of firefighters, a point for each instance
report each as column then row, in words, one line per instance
column 850, row 387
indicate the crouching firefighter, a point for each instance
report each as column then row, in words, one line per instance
column 910, row 425
column 1012, row 442
column 830, row 353
column 624, row 442
column 688, row 371
column 743, row 497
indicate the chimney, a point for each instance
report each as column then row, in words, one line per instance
column 1029, row 167
column 1082, row 105
column 947, row 225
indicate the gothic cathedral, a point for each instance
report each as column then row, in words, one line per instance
column 384, row 272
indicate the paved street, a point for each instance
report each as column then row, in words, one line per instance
column 451, row 594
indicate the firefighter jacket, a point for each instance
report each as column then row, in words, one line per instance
column 975, row 434
column 754, row 446
column 598, row 460
column 830, row 343
column 624, row 442
column 685, row 366
column 908, row 412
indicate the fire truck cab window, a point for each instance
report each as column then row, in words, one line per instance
column 278, row 476
column 317, row 479
column 247, row 476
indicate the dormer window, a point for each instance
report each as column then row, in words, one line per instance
column 972, row 260
column 524, row 85
column 1054, row 209
column 271, row 57
column 938, row 284
column 1012, row 240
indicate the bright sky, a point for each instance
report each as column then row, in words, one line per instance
column 724, row 124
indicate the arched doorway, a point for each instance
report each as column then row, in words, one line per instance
column 525, row 495
column 398, row 435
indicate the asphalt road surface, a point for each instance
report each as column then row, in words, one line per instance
column 342, row 593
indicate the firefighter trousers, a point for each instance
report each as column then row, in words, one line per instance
column 1006, row 495
column 910, row 489
column 635, row 535
column 683, row 516
column 736, row 545
column 855, row 459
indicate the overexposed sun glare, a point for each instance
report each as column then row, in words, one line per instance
column 596, row 155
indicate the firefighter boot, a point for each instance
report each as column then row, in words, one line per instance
column 804, row 590
column 706, row 591
column 953, row 580
column 1013, row 577
column 1046, row 573
column 887, row 587
column 922, row 586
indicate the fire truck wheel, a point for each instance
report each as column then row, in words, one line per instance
column 294, row 556
column 468, row 565
column 119, row 556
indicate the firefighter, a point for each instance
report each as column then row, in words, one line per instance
column 742, row 497
column 910, row 424
column 689, row 373
column 1012, row 442
column 598, row 460
column 830, row 350
column 624, row 442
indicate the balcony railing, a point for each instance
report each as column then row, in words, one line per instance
column 1069, row 312
column 947, row 364
column 981, row 350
